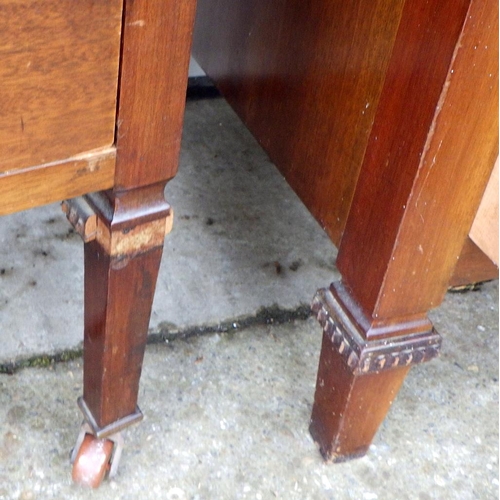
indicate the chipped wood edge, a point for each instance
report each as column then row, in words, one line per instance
column 82, row 217
column 129, row 243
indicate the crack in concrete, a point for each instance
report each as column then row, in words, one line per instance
column 273, row 315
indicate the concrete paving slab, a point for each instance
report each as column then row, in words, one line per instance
column 227, row 418
column 227, row 413
column 241, row 241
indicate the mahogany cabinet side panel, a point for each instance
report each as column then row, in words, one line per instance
column 437, row 203
column 305, row 77
column 153, row 79
column 58, row 79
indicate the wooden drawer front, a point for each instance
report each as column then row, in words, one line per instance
column 58, row 79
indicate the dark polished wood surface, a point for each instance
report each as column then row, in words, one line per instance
column 306, row 78
column 383, row 118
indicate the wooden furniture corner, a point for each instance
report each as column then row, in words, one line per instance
column 382, row 116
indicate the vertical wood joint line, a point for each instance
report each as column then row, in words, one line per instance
column 120, row 67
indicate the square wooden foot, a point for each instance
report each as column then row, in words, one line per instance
column 358, row 379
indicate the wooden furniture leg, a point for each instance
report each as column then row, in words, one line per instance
column 427, row 163
column 121, row 268
column 123, row 258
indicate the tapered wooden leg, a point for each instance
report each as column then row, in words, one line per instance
column 121, row 268
column 124, row 240
column 118, row 298
column 428, row 159
column 123, row 234
column 358, row 380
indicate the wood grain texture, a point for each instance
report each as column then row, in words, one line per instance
column 121, row 269
column 473, row 266
column 31, row 187
column 484, row 230
column 426, row 165
column 58, row 79
column 429, row 157
column 121, row 264
column 305, row 77
column 349, row 408
column 118, row 298
column 153, row 79
column 456, row 164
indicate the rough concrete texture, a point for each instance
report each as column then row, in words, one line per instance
column 227, row 417
column 241, row 241
column 227, row 413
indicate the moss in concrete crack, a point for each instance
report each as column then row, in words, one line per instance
column 273, row 315
column 42, row 361
column 166, row 332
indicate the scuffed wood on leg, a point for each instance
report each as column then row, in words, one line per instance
column 121, row 268
column 419, row 188
column 359, row 379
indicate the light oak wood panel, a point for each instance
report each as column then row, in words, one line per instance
column 35, row 186
column 473, row 266
column 484, row 230
column 58, row 78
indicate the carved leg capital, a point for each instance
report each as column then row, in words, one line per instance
column 359, row 377
column 366, row 356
